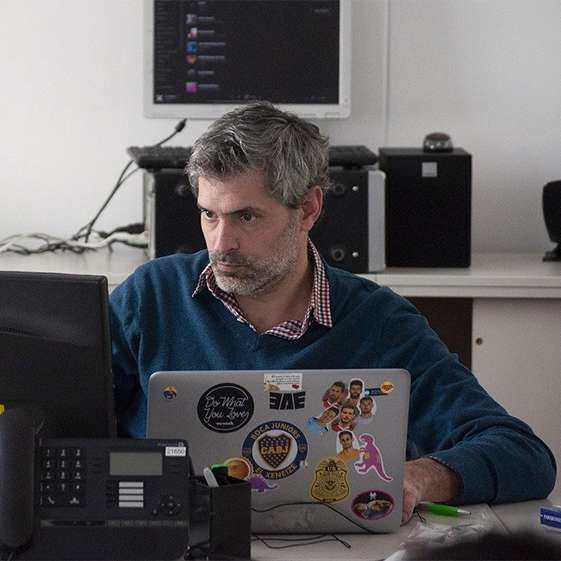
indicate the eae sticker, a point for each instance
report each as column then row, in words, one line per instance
column 225, row 408
column 276, row 449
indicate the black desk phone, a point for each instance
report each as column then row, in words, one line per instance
column 91, row 499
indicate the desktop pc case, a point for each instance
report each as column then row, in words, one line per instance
column 349, row 234
column 428, row 207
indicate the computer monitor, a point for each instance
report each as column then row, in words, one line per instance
column 202, row 58
column 55, row 352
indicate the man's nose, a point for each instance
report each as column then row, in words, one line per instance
column 224, row 238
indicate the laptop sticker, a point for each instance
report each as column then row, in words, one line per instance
column 330, row 482
column 296, row 400
column 372, row 505
column 385, row 388
column 276, row 449
column 347, row 446
column 321, row 423
column 356, row 390
column 283, row 382
column 335, row 394
column 367, row 407
column 346, row 419
column 225, row 408
column 260, row 484
column 371, row 458
column 238, row 467
column 169, row 392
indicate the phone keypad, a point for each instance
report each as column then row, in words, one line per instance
column 62, row 477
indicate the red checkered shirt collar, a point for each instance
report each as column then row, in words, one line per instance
column 319, row 308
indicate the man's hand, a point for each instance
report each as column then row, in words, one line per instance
column 427, row 480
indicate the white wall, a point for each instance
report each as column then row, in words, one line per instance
column 488, row 72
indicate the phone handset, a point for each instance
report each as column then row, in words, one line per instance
column 17, row 449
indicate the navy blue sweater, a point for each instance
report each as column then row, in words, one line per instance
column 158, row 325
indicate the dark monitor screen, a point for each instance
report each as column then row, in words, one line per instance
column 55, row 352
column 202, row 56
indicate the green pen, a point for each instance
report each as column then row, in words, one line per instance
column 443, row 510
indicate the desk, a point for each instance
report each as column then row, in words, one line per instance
column 502, row 518
column 518, row 516
column 370, row 547
column 505, row 310
column 492, row 275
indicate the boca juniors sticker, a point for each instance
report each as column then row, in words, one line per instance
column 225, row 408
column 330, row 482
column 276, row 449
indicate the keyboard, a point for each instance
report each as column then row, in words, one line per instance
column 160, row 157
column 175, row 157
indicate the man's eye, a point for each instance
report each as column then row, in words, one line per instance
column 207, row 214
column 247, row 217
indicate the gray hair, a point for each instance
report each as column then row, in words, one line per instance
column 291, row 152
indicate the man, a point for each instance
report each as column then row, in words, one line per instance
column 262, row 298
column 367, row 410
column 320, row 424
column 348, row 452
column 346, row 419
column 355, row 391
column 335, row 394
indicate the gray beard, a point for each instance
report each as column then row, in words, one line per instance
column 258, row 277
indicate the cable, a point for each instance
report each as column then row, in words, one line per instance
column 132, row 235
column 122, row 178
column 50, row 243
column 327, row 505
column 300, row 542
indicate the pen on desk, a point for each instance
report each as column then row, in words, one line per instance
column 209, row 477
column 444, row 510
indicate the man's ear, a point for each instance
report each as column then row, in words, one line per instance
column 311, row 207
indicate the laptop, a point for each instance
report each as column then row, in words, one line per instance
column 323, row 450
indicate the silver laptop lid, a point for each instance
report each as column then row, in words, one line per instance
column 323, row 449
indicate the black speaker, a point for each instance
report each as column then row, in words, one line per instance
column 350, row 232
column 551, row 203
column 349, row 235
column 171, row 215
column 428, row 207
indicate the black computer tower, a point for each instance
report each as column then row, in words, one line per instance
column 428, row 207
column 349, row 235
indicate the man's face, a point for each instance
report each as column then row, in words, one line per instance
column 253, row 240
column 354, row 390
column 334, row 393
column 327, row 416
column 346, row 416
column 366, row 407
column 346, row 441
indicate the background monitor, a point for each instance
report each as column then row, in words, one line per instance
column 55, row 352
column 204, row 57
